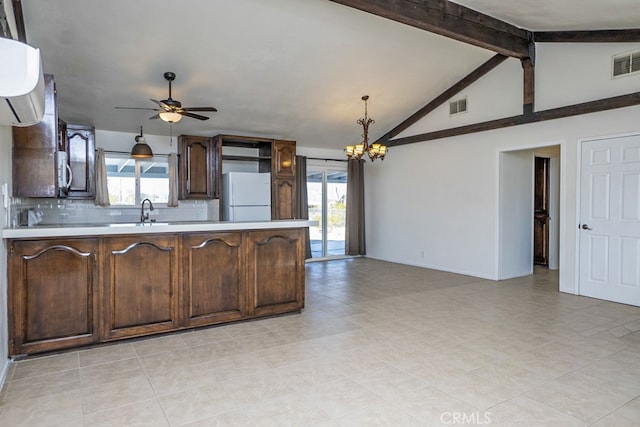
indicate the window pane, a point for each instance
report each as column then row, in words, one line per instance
column 154, row 180
column 314, row 198
column 121, row 179
column 336, row 212
column 122, row 190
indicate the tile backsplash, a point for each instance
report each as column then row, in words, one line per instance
column 67, row 211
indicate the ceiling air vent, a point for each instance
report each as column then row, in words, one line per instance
column 626, row 63
column 458, row 106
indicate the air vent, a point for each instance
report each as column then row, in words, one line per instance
column 458, row 106
column 626, row 63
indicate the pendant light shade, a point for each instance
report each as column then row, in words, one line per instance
column 141, row 150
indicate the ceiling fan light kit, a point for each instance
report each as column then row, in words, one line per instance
column 141, row 150
column 171, row 110
column 170, row 116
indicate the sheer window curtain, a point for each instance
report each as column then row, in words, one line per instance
column 172, row 200
column 102, row 191
column 302, row 200
column 355, row 233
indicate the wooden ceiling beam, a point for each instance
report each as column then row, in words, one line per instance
column 596, row 36
column 540, row 116
column 454, row 21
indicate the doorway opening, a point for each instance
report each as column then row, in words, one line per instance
column 528, row 212
column 541, row 211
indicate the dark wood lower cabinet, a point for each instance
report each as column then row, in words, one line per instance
column 213, row 288
column 276, row 267
column 67, row 293
column 140, row 285
column 52, row 294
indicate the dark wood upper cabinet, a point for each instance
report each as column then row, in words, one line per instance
column 283, row 180
column 284, row 159
column 80, row 147
column 277, row 157
column 34, row 148
column 198, row 172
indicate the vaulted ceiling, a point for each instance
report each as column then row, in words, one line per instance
column 293, row 69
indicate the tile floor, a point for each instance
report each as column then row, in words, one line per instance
column 379, row 344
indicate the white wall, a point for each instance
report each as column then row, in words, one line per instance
column 441, row 196
column 5, row 177
column 515, row 225
column 436, row 203
column 496, row 95
column 571, row 73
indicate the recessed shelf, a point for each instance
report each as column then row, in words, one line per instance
column 245, row 158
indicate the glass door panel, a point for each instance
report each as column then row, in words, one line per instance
column 326, row 192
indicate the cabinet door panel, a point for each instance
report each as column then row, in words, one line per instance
column 81, row 150
column 198, row 167
column 53, row 288
column 213, row 289
column 141, row 280
column 284, row 158
column 276, row 273
column 283, row 197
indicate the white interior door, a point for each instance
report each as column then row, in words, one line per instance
column 610, row 219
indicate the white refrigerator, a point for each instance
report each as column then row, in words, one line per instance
column 246, row 196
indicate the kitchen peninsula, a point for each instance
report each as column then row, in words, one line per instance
column 77, row 285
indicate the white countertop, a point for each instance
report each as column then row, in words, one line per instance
column 79, row 230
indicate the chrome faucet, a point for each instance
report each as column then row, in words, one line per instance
column 144, row 217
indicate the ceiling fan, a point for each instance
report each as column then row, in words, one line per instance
column 171, row 110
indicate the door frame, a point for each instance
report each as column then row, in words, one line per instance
column 560, row 186
column 578, row 212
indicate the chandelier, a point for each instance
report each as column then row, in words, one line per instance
column 375, row 151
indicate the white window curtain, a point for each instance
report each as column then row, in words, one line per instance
column 102, row 191
column 172, row 201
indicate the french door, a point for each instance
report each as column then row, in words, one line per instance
column 610, row 219
column 327, row 195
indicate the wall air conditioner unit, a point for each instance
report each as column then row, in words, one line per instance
column 21, row 84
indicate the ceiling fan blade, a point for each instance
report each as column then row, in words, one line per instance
column 155, row 116
column 199, row 109
column 135, row 108
column 193, row 116
column 161, row 104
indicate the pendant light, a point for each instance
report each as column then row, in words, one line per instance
column 376, row 150
column 141, row 150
